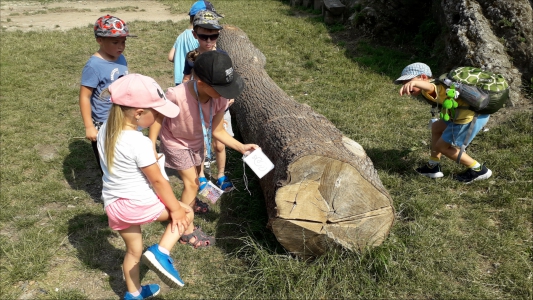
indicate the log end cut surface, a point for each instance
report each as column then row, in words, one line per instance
column 327, row 204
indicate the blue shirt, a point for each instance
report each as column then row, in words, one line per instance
column 184, row 43
column 98, row 74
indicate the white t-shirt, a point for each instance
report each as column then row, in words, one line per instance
column 133, row 151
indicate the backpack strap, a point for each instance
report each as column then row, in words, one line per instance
column 468, row 135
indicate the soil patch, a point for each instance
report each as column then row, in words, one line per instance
column 34, row 16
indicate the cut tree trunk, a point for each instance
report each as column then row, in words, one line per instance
column 324, row 192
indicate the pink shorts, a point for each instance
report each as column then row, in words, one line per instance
column 182, row 159
column 124, row 213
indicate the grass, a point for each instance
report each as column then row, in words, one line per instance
column 449, row 241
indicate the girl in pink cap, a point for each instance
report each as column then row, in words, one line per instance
column 130, row 172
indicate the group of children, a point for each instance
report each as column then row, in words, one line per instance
column 188, row 119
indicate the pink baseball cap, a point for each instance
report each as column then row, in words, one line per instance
column 139, row 91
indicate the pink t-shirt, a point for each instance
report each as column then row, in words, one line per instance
column 185, row 130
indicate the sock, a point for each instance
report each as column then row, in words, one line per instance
column 137, row 293
column 475, row 166
column 163, row 250
column 433, row 161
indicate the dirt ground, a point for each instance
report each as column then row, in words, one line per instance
column 31, row 15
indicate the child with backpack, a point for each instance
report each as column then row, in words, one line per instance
column 134, row 189
column 202, row 103
column 456, row 129
column 207, row 29
column 102, row 68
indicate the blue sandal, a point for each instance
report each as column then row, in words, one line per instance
column 203, row 183
column 224, row 184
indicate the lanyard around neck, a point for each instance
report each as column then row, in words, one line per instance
column 207, row 131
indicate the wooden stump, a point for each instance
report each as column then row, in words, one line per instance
column 295, row 3
column 317, row 4
column 333, row 11
column 324, row 192
column 307, row 3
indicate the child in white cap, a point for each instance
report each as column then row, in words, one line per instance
column 134, row 189
column 446, row 135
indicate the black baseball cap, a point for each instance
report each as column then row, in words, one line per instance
column 216, row 69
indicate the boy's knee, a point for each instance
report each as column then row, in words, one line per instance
column 193, row 185
column 219, row 147
column 135, row 252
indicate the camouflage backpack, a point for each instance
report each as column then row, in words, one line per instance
column 484, row 91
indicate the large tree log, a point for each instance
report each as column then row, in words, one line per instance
column 324, row 192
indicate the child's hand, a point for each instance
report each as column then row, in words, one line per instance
column 407, row 88
column 91, row 133
column 249, row 148
column 181, row 218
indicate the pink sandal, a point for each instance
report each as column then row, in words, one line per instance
column 201, row 239
column 200, row 207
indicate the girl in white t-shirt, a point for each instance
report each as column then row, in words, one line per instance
column 130, row 168
column 202, row 102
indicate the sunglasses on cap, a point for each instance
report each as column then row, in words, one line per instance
column 204, row 37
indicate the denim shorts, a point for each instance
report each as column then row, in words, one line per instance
column 455, row 134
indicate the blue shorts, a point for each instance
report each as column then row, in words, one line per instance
column 455, row 134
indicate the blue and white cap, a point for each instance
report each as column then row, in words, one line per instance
column 413, row 70
column 202, row 5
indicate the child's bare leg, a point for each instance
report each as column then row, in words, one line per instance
column 134, row 246
column 437, row 128
column 220, row 155
column 201, row 173
column 169, row 238
column 190, row 190
column 451, row 152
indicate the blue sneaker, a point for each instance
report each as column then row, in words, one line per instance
column 147, row 291
column 161, row 264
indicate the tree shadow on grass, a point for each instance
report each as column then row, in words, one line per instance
column 81, row 169
column 243, row 213
column 392, row 160
column 90, row 234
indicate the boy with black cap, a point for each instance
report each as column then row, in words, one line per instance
column 202, row 104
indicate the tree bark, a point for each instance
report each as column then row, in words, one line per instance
column 324, row 192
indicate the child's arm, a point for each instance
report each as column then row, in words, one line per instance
column 171, row 54
column 187, row 71
column 181, row 215
column 426, row 86
column 154, row 130
column 222, row 135
column 85, row 108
